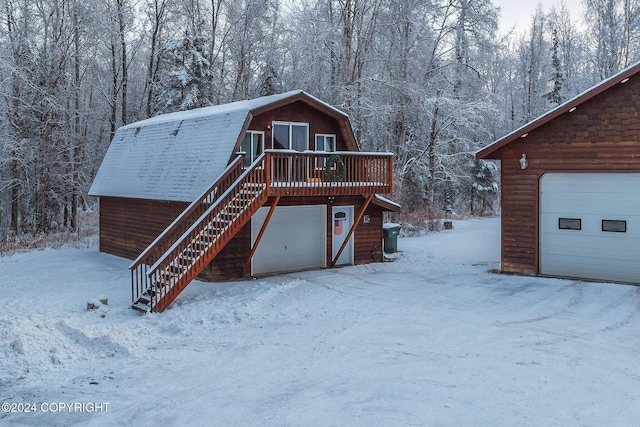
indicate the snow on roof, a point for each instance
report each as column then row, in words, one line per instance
column 176, row 156
column 168, row 160
column 386, row 203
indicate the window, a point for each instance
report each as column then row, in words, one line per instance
column 252, row 145
column 569, row 223
column 326, row 143
column 290, row 136
column 614, row 226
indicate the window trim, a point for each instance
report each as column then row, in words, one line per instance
column 324, row 137
column 289, row 124
column 567, row 227
column 321, row 163
column 252, row 133
column 614, row 230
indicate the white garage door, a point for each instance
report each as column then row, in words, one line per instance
column 295, row 239
column 590, row 226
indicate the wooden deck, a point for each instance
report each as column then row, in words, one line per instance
column 291, row 173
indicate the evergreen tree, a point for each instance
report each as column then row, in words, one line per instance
column 557, row 78
column 186, row 75
column 484, row 187
column 268, row 81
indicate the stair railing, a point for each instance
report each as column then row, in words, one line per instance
column 207, row 235
column 168, row 237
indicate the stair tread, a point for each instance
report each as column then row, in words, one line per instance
column 143, row 300
column 141, row 308
column 172, row 278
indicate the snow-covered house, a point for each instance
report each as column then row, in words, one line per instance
column 571, row 186
column 259, row 186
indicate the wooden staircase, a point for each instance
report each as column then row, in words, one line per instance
column 198, row 234
column 191, row 242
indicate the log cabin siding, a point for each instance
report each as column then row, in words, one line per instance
column 601, row 135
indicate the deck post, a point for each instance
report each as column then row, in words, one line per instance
column 259, row 237
column 267, row 171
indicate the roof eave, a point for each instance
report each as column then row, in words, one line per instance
column 567, row 107
column 386, row 204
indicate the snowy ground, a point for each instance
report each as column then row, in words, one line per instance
column 432, row 339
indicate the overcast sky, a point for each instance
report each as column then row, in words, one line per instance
column 518, row 13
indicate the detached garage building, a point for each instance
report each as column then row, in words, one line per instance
column 571, row 186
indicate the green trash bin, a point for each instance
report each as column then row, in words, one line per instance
column 391, row 232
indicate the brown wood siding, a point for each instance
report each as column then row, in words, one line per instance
column 367, row 240
column 601, row 135
column 228, row 263
column 367, row 237
column 319, row 123
column 128, row 226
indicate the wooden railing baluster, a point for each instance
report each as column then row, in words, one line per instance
column 305, row 174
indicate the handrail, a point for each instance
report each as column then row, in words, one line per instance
column 211, row 208
column 329, row 153
column 237, row 162
column 204, row 239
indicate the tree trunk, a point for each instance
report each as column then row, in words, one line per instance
column 431, row 156
column 76, row 124
column 123, row 59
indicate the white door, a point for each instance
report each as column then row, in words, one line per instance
column 295, row 239
column 341, row 222
column 590, row 226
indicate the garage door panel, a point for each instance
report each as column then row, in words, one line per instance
column 590, row 268
column 591, row 227
column 598, row 182
column 293, row 240
column 590, row 252
column 560, row 252
column 606, row 203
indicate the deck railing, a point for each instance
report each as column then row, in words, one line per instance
column 328, row 174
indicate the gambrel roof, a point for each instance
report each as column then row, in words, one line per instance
column 565, row 108
column 176, row 156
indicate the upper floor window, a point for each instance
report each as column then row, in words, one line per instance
column 325, row 142
column 291, row 136
column 252, row 145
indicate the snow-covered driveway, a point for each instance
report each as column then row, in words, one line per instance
column 433, row 339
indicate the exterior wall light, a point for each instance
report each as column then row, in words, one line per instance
column 524, row 162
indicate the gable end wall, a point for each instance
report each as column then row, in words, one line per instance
column 319, row 123
column 601, row 135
